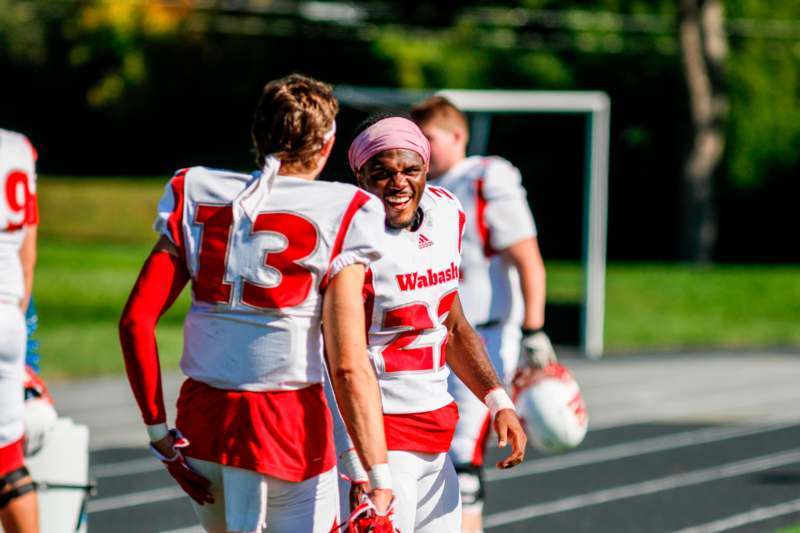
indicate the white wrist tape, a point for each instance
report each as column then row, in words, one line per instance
column 380, row 477
column 351, row 466
column 497, row 400
column 157, row 431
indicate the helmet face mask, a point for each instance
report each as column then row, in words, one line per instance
column 550, row 403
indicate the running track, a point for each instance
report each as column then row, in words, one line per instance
column 694, row 443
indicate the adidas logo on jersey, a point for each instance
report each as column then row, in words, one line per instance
column 419, row 280
column 424, row 242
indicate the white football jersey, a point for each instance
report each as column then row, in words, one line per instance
column 17, row 208
column 408, row 294
column 491, row 193
column 254, row 322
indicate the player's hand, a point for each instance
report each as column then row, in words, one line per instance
column 165, row 446
column 368, row 517
column 382, row 498
column 192, row 483
column 357, row 493
column 508, row 429
column 536, row 350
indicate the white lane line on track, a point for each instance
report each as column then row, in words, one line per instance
column 743, row 519
column 125, row 468
column 190, row 529
column 548, row 464
column 652, row 486
column 135, row 498
column 630, row 449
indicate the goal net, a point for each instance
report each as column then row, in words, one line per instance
column 487, row 107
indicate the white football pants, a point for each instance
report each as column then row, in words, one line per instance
column 247, row 501
column 502, row 344
column 13, row 339
column 427, row 499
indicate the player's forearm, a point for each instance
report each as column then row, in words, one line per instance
column 341, row 438
column 160, row 281
column 27, row 256
column 360, row 404
column 527, row 259
column 467, row 358
column 140, row 352
column 353, row 379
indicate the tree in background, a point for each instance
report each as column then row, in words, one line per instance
column 125, row 72
column 703, row 50
column 114, row 35
column 741, row 73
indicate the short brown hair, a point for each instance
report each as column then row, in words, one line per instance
column 440, row 110
column 291, row 119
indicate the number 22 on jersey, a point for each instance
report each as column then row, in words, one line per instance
column 295, row 281
column 415, row 319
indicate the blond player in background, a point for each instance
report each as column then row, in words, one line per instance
column 18, row 221
column 502, row 278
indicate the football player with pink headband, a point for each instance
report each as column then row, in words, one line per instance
column 417, row 333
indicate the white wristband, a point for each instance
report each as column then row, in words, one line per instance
column 157, row 431
column 351, row 466
column 380, row 477
column 497, row 400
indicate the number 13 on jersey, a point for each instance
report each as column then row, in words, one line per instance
column 295, row 280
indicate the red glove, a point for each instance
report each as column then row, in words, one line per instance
column 366, row 519
column 192, row 483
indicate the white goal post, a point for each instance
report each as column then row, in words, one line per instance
column 480, row 106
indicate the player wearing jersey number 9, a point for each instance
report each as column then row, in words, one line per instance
column 18, row 223
column 252, row 439
column 416, row 326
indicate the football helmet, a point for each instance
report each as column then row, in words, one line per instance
column 39, row 415
column 549, row 402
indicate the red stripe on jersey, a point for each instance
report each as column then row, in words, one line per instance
column 429, row 432
column 462, row 219
column 32, row 210
column 480, row 213
column 480, row 444
column 445, row 303
column 34, row 153
column 176, row 217
column 32, row 204
column 440, row 192
column 359, row 199
column 284, row 434
column 368, row 292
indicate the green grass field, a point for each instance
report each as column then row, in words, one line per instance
column 95, row 233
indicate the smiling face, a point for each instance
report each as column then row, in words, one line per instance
column 397, row 177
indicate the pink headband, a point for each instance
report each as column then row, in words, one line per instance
column 388, row 134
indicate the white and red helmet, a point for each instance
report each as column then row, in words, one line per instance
column 39, row 415
column 550, row 403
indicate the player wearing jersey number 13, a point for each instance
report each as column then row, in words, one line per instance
column 255, row 444
column 417, row 329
